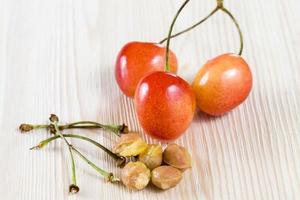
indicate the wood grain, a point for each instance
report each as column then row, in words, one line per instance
column 57, row 56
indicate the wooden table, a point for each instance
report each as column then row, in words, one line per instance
column 58, row 56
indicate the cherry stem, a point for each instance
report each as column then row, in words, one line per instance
column 219, row 6
column 167, row 67
column 238, row 28
column 54, row 122
column 117, row 129
column 120, row 159
column 191, row 27
column 109, row 176
column 73, row 170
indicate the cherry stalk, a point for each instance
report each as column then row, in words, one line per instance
column 167, row 67
column 116, row 129
column 73, row 188
column 220, row 6
column 119, row 159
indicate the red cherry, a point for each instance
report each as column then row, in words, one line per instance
column 136, row 59
column 222, row 84
column 165, row 105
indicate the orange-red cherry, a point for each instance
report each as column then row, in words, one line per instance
column 222, row 84
column 136, row 59
column 165, row 105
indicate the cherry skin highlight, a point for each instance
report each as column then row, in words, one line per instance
column 222, row 84
column 136, row 59
column 165, row 105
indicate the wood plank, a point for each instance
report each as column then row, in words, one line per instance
column 58, row 57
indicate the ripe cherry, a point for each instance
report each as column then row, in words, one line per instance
column 164, row 102
column 136, row 59
column 222, row 84
column 165, row 105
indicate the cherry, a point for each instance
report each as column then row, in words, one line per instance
column 136, row 59
column 165, row 105
column 164, row 102
column 222, row 84
column 225, row 81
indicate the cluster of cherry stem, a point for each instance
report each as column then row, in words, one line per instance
column 220, row 6
column 56, row 129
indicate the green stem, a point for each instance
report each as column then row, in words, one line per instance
column 167, row 67
column 193, row 26
column 80, row 123
column 40, row 126
column 70, row 151
column 117, row 129
column 219, row 6
column 238, row 28
column 109, row 176
column 120, row 159
column 73, row 167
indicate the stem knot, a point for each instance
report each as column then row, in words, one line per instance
column 53, row 118
column 25, row 128
column 111, row 178
column 124, row 128
column 220, row 3
column 73, row 189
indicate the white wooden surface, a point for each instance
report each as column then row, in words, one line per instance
column 57, row 56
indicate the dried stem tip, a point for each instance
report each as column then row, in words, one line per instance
column 73, row 189
column 124, row 129
column 53, row 118
column 37, row 147
column 220, row 3
column 112, row 179
column 25, row 127
column 51, row 128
